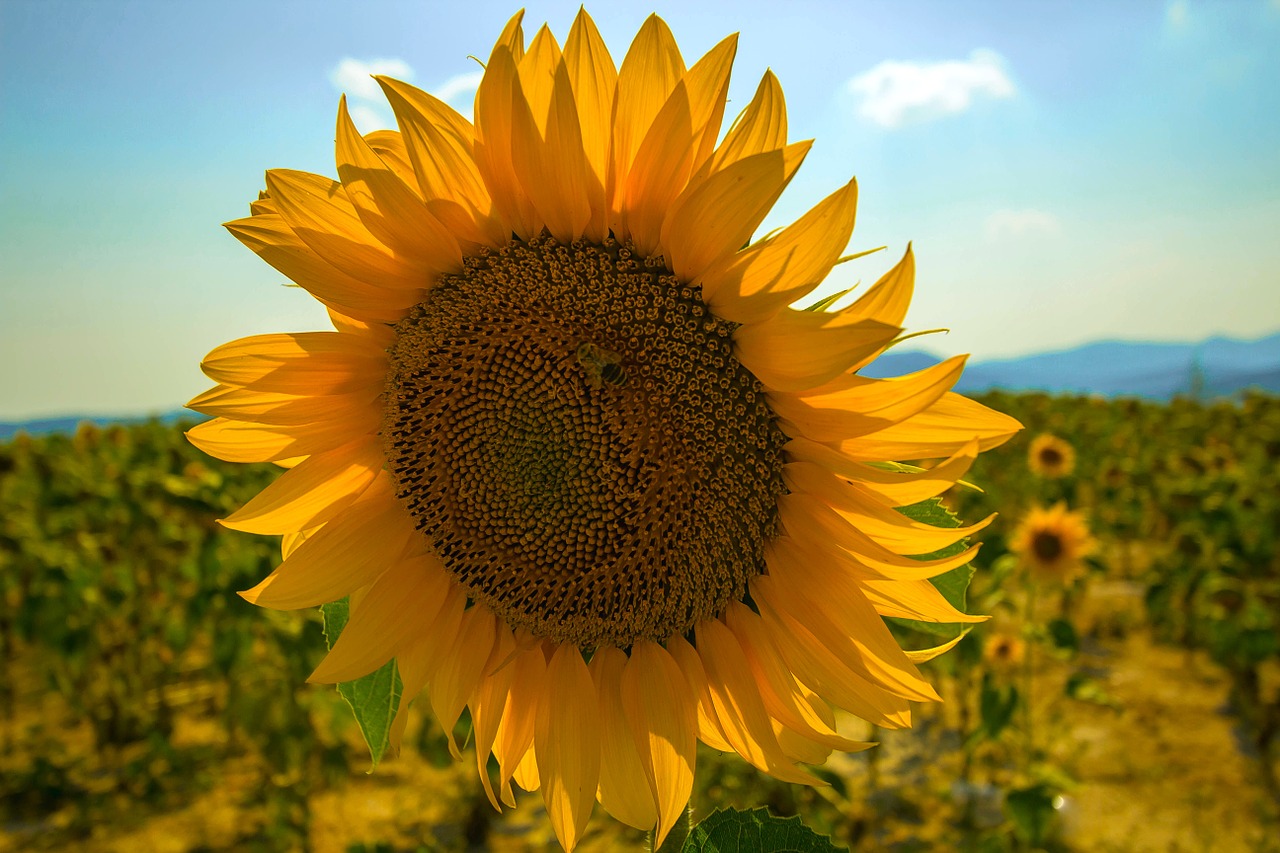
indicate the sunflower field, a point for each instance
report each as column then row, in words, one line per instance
column 1124, row 695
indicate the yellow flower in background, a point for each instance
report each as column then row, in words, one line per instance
column 576, row 463
column 1051, row 457
column 1004, row 652
column 1053, row 542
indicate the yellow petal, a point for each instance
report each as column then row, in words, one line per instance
column 623, row 789
column 797, row 748
column 869, row 515
column 350, row 551
column 811, row 520
column 379, row 334
column 761, row 127
column 824, row 671
column 512, row 36
column 390, row 148
column 277, row 409
column 893, row 487
column 650, row 71
column 305, row 363
column 413, row 677
column 709, row 731
column 923, row 655
column 567, row 745
column 660, row 711
column 761, row 280
column 669, row 153
column 393, row 213
column 289, row 542
column 837, row 613
column 238, row 441
column 797, row 350
column 424, row 653
column 495, row 107
column 487, row 706
column 940, row 430
column 526, row 775
column 390, row 615
column 549, row 157
column 319, row 212
column 887, row 301
column 312, row 492
column 516, row 728
column 594, row 78
column 865, row 405
column 736, row 698
column 783, row 698
column 913, row 599
column 462, row 668
column 715, row 217
column 440, row 146
column 271, row 239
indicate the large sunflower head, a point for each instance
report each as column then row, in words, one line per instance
column 1053, row 543
column 576, row 463
column 1051, row 457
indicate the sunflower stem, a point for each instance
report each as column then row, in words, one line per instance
column 1028, row 676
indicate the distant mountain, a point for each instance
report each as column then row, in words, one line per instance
column 1217, row 367
column 44, row 426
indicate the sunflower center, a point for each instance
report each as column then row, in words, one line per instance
column 570, row 430
column 1047, row 546
column 1051, row 457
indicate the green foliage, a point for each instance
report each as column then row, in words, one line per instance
column 1032, row 812
column 754, row 831
column 117, row 599
column 996, row 704
column 118, row 594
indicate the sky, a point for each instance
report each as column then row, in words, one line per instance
column 1064, row 171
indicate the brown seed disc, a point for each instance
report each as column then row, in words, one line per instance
column 568, row 427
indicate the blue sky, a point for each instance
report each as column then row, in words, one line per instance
column 1066, row 171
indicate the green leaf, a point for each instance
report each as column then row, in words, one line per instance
column 374, row 697
column 997, row 705
column 1064, row 636
column 1032, row 812
column 755, row 831
column 953, row 584
column 1082, row 688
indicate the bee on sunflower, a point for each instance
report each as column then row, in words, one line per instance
column 576, row 463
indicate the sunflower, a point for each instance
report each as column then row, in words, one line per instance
column 1004, row 652
column 576, row 463
column 1053, row 542
column 1051, row 457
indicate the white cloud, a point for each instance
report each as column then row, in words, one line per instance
column 354, row 76
column 367, row 118
column 1005, row 224
column 451, row 91
column 893, row 92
